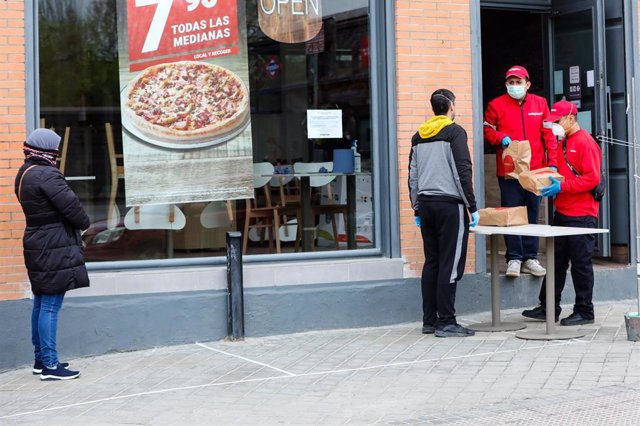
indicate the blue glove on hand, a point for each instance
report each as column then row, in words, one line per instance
column 475, row 218
column 551, row 190
column 506, row 141
column 554, row 168
column 416, row 220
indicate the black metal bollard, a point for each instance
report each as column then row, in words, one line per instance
column 235, row 299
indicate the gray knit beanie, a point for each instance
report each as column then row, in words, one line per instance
column 45, row 139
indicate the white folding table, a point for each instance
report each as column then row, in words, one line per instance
column 549, row 233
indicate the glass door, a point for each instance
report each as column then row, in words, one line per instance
column 579, row 75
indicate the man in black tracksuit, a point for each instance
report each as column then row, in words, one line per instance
column 441, row 189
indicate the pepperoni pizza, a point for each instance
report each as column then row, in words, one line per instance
column 186, row 101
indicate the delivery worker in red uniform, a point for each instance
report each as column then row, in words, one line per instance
column 518, row 115
column 579, row 161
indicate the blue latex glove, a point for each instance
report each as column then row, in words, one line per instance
column 554, row 168
column 416, row 220
column 475, row 218
column 551, row 190
column 506, row 141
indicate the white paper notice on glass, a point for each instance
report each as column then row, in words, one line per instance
column 590, row 78
column 574, row 74
column 324, row 123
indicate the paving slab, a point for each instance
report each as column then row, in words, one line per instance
column 384, row 375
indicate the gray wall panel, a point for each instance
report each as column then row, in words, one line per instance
column 613, row 9
column 615, row 59
column 98, row 325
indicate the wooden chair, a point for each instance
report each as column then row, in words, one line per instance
column 330, row 209
column 263, row 215
column 117, row 173
column 62, row 158
column 285, row 192
column 65, row 149
column 156, row 216
column 218, row 214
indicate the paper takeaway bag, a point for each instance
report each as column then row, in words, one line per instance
column 516, row 158
column 503, row 216
column 535, row 180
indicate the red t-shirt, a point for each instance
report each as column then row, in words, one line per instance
column 506, row 117
column 575, row 197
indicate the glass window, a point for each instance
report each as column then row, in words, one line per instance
column 80, row 99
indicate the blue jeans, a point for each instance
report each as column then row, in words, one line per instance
column 44, row 325
column 514, row 195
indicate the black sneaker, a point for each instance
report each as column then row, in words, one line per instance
column 428, row 329
column 37, row 366
column 453, row 330
column 576, row 319
column 537, row 313
column 58, row 373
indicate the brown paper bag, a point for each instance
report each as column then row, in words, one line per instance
column 516, row 158
column 535, row 180
column 503, row 216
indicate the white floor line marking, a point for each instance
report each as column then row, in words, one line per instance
column 246, row 359
column 287, row 376
column 134, row 395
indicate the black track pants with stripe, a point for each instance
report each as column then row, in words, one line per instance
column 445, row 233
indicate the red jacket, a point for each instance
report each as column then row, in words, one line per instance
column 506, row 117
column 575, row 197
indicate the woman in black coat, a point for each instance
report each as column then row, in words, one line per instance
column 53, row 251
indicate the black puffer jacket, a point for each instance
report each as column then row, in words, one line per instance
column 53, row 251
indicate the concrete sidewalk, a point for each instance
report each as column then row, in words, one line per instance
column 385, row 375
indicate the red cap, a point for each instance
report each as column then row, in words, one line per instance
column 560, row 109
column 517, row 71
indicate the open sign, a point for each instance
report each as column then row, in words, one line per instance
column 290, row 21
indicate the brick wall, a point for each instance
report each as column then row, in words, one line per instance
column 13, row 277
column 433, row 45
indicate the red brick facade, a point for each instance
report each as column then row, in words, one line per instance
column 433, row 43
column 13, row 281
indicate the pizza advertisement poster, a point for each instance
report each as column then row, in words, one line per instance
column 184, row 96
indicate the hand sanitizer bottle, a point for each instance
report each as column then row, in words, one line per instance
column 357, row 165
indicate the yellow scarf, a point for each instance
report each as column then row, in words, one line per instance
column 433, row 126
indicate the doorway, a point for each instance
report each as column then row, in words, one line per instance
column 511, row 37
column 574, row 50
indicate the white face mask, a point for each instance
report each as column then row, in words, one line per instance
column 558, row 131
column 516, row 92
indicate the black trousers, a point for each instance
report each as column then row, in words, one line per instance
column 577, row 249
column 445, row 232
column 512, row 194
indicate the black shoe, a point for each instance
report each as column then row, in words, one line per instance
column 58, row 373
column 428, row 329
column 537, row 313
column 576, row 319
column 37, row 366
column 453, row 330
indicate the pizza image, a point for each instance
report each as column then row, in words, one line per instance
column 186, row 101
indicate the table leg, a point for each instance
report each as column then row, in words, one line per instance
column 496, row 324
column 550, row 287
column 351, row 216
column 307, row 226
column 551, row 332
column 495, row 282
column 169, row 243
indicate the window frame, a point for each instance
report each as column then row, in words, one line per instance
column 384, row 155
